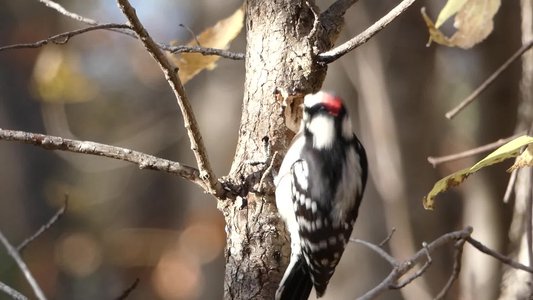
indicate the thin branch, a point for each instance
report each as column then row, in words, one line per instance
column 171, row 75
column 337, row 52
column 129, row 32
column 452, row 113
column 504, row 259
column 193, row 35
column 60, row 9
column 63, row 11
column 63, row 38
column 401, row 269
column 204, row 51
column 392, row 261
column 128, row 291
column 23, row 267
column 459, row 246
column 434, row 161
column 45, row 227
column 387, row 239
column 12, row 292
column 510, row 186
column 418, row 273
column 143, row 160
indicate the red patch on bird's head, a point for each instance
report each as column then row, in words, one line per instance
column 332, row 103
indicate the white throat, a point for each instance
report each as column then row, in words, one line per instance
column 323, row 130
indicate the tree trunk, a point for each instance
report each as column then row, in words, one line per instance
column 282, row 40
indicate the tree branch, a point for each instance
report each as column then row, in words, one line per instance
column 144, row 161
column 12, row 292
column 391, row 281
column 129, row 32
column 45, row 227
column 339, row 51
column 504, row 259
column 128, row 291
column 452, row 113
column 171, row 75
column 63, row 38
column 203, row 50
column 459, row 246
column 434, row 161
column 392, row 261
column 23, row 267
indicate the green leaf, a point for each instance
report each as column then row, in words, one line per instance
column 509, row 150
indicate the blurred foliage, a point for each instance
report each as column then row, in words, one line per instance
column 511, row 149
column 473, row 21
column 58, row 78
column 219, row 36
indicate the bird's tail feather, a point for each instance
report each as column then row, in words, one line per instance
column 296, row 284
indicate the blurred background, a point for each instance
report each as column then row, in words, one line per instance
column 124, row 223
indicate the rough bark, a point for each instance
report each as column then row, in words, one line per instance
column 283, row 39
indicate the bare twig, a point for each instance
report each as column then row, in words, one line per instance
column 387, row 239
column 63, row 11
column 418, row 273
column 23, row 267
column 459, row 246
column 12, row 292
column 45, row 227
column 171, row 75
column 204, row 51
column 143, row 160
column 63, row 38
column 128, row 291
column 391, row 281
column 193, row 35
column 60, row 9
column 337, row 52
column 128, row 31
column 392, row 261
column 504, row 259
column 510, row 186
column 434, row 161
column 452, row 113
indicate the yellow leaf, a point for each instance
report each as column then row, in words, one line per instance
column 218, row 36
column 473, row 22
column 434, row 34
column 509, row 150
column 524, row 160
column 57, row 78
column 450, row 9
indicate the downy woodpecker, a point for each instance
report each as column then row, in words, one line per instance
column 318, row 192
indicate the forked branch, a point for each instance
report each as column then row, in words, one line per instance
column 63, row 38
column 171, row 75
column 396, row 279
column 143, row 160
column 337, row 52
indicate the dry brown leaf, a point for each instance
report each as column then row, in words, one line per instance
column 473, row 22
column 218, row 36
column 524, row 160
